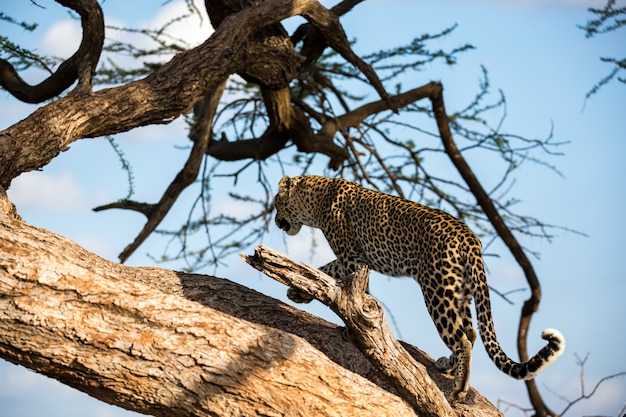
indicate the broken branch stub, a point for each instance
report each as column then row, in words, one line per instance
column 364, row 317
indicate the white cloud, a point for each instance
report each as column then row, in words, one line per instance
column 40, row 191
column 187, row 33
column 193, row 29
column 62, row 39
column 508, row 273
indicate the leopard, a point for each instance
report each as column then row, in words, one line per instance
column 399, row 237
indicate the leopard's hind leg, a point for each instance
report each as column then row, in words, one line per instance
column 448, row 302
column 448, row 364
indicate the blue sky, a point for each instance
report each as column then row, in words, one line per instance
column 533, row 52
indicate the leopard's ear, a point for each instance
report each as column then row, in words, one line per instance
column 285, row 187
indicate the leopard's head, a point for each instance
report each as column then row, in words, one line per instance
column 290, row 210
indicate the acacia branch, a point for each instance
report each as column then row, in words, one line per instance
column 295, row 126
column 287, row 123
column 155, row 213
column 81, row 65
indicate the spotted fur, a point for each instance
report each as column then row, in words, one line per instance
column 398, row 237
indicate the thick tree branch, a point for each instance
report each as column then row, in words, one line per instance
column 80, row 65
column 69, row 314
column 90, row 324
column 270, row 58
column 160, row 97
column 356, row 116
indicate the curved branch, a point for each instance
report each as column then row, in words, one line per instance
column 356, row 116
column 313, row 43
column 80, row 65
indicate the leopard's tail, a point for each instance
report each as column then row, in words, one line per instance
column 525, row 370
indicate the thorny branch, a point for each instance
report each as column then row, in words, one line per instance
column 200, row 134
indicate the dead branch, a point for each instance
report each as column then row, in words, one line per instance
column 364, row 318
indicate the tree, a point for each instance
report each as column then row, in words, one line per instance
column 293, row 97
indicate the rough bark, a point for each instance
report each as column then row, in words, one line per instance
column 166, row 343
column 93, row 325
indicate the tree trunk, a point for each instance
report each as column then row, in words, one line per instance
column 92, row 325
column 141, row 338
